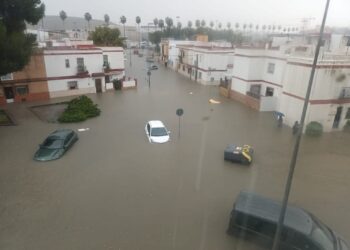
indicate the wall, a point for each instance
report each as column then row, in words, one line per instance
column 268, row 103
column 59, row 88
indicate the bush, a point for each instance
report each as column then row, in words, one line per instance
column 314, row 129
column 79, row 109
column 347, row 126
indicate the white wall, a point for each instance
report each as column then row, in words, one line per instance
column 268, row 103
column 59, row 88
column 240, row 86
column 115, row 59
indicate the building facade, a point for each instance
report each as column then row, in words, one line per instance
column 277, row 80
column 64, row 71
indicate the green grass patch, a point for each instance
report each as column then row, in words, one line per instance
column 79, row 109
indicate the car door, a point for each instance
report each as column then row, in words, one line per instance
column 68, row 141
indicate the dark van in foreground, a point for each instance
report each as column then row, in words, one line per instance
column 258, row 215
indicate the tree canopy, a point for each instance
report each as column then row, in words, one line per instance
column 104, row 36
column 15, row 46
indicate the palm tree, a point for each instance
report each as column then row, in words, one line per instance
column 123, row 21
column 237, row 26
column 251, row 27
column 257, row 27
column 155, row 22
column 228, row 25
column 211, row 24
column 189, row 24
column 106, row 19
column 169, row 22
column 269, row 27
column 279, row 27
column 179, row 25
column 288, row 30
column 203, row 23
column 273, row 28
column 63, row 17
column 161, row 24
column 264, row 27
column 220, row 25
column 198, row 23
column 244, row 26
column 88, row 18
column 284, row 30
column 138, row 21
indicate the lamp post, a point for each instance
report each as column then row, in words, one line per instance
column 299, row 135
column 149, row 78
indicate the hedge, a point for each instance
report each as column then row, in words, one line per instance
column 79, row 109
column 314, row 129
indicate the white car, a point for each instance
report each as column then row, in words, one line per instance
column 157, row 132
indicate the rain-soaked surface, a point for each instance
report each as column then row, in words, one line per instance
column 115, row 190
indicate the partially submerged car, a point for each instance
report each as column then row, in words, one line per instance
column 240, row 154
column 55, row 145
column 258, row 216
column 156, row 132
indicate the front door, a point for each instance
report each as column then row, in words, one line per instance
column 337, row 117
column 98, row 85
column 9, row 94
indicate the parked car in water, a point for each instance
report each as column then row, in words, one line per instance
column 153, row 67
column 156, row 132
column 241, row 154
column 56, row 144
column 258, row 216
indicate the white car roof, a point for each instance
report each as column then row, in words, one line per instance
column 156, row 124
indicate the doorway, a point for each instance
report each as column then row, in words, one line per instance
column 98, row 85
column 337, row 117
column 9, row 94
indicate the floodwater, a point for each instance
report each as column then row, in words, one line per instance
column 115, row 190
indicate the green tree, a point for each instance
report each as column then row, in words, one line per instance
column 228, row 25
column 203, row 23
column 211, row 24
column 169, row 22
column 123, row 21
column 155, row 22
column 155, row 38
column 197, row 23
column 237, row 26
column 63, row 16
column 104, row 36
column 88, row 18
column 16, row 47
column 161, row 24
column 106, row 17
column 179, row 25
column 189, row 24
column 220, row 25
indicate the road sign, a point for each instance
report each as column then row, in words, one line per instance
column 179, row 112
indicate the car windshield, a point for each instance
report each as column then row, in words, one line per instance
column 159, row 132
column 52, row 143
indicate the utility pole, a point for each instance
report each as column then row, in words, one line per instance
column 277, row 238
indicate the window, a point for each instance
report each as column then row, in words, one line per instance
column 105, row 60
column 200, row 75
column 67, row 63
column 7, row 77
column 80, row 61
column 22, row 90
column 271, row 68
column 107, row 79
column 269, row 91
column 347, row 116
column 73, row 85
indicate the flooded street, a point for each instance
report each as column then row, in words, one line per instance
column 115, row 190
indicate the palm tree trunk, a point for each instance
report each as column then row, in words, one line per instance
column 124, row 30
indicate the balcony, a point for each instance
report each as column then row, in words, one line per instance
column 81, row 70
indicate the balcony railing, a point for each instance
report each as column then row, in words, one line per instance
column 253, row 94
column 81, row 69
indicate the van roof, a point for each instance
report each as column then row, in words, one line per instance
column 268, row 209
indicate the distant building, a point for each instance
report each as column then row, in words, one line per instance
column 276, row 79
column 57, row 71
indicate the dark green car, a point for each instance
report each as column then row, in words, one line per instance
column 55, row 145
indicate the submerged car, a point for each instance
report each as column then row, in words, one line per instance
column 240, row 154
column 156, row 132
column 258, row 216
column 55, row 145
column 154, row 67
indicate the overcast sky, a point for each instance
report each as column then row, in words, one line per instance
column 284, row 12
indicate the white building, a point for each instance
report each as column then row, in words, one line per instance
column 82, row 69
column 205, row 64
column 276, row 80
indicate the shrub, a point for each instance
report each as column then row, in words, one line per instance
column 314, row 129
column 347, row 126
column 79, row 109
